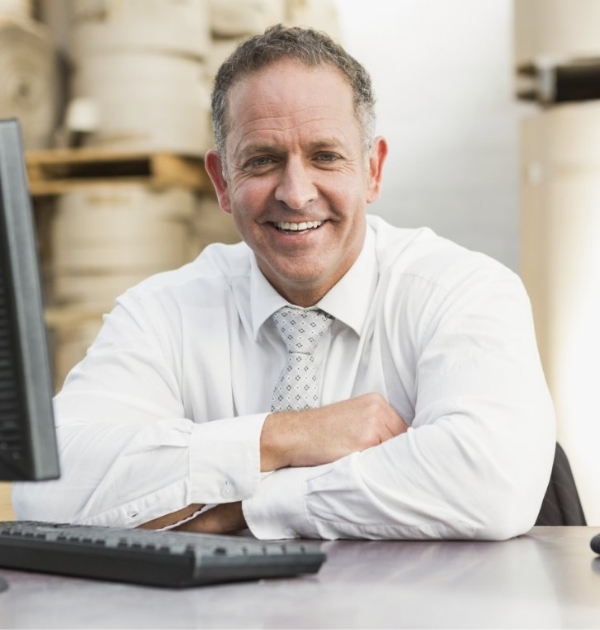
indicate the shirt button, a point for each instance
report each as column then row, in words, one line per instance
column 226, row 491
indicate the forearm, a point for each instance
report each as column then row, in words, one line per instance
column 292, row 439
column 462, row 473
column 127, row 474
column 168, row 521
column 325, row 434
column 226, row 518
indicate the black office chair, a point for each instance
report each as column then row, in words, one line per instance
column 561, row 504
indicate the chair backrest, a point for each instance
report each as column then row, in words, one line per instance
column 561, row 504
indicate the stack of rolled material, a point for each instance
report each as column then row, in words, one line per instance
column 556, row 31
column 104, row 240
column 139, row 75
column 233, row 21
column 29, row 85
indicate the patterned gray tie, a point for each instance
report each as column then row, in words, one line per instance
column 301, row 330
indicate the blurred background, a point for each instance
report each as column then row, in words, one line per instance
column 490, row 108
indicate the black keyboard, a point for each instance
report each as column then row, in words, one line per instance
column 175, row 559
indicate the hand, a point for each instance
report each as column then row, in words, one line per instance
column 323, row 435
column 222, row 519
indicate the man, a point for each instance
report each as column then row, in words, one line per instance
column 330, row 377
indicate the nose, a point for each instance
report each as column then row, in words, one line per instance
column 296, row 188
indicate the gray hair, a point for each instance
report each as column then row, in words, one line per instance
column 306, row 45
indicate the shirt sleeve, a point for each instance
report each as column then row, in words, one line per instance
column 476, row 459
column 128, row 452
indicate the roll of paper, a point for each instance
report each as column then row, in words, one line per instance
column 168, row 26
column 234, row 18
column 146, row 102
column 28, row 89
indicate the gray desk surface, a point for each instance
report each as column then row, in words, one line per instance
column 548, row 578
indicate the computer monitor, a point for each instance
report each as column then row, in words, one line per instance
column 28, row 449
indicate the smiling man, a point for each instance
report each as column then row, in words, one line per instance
column 331, row 376
column 296, row 176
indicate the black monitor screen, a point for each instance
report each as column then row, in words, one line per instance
column 28, row 448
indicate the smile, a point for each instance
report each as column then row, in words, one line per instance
column 287, row 226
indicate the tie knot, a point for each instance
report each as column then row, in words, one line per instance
column 301, row 329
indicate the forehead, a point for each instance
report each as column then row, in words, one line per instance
column 290, row 95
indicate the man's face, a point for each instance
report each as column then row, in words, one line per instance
column 297, row 180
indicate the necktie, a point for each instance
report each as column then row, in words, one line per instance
column 301, row 330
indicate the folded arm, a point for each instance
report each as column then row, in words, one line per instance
column 305, row 438
column 476, row 459
column 474, row 463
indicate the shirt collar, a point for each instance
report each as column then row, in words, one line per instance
column 348, row 301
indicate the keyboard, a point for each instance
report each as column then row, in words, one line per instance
column 174, row 559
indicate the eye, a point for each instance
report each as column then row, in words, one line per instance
column 260, row 162
column 327, row 157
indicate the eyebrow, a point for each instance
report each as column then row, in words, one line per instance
column 259, row 148
column 326, row 143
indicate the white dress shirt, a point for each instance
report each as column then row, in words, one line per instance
column 167, row 408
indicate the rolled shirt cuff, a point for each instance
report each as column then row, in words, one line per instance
column 225, row 459
column 278, row 509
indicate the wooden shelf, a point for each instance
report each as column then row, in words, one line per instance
column 6, row 511
column 69, row 316
column 57, row 171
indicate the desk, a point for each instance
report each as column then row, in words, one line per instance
column 548, row 578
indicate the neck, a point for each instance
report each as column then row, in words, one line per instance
column 304, row 298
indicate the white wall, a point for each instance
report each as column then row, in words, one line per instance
column 442, row 73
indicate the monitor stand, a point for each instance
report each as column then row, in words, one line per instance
column 3, row 585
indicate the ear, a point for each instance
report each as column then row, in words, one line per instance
column 214, row 167
column 379, row 152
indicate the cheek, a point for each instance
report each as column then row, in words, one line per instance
column 251, row 194
column 348, row 191
column 249, row 202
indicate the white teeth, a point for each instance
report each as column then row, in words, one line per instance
column 298, row 227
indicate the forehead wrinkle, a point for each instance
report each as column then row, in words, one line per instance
column 287, row 121
column 261, row 104
column 329, row 133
